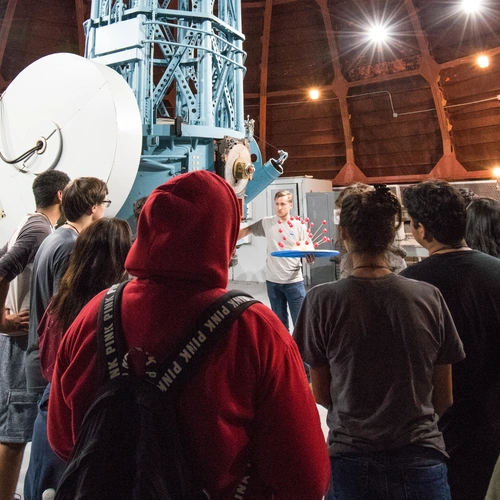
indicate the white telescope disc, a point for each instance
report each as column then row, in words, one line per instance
column 88, row 118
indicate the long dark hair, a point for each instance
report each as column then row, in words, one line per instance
column 371, row 218
column 483, row 226
column 97, row 262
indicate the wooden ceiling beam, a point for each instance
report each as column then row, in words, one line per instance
column 469, row 59
column 385, row 78
column 288, row 93
column 339, row 84
column 6, row 26
column 430, row 71
column 264, row 73
column 410, row 179
column 80, row 19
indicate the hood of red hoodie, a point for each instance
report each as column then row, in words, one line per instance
column 187, row 231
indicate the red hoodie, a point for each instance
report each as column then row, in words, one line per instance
column 250, row 400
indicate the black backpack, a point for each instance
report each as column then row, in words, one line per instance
column 129, row 446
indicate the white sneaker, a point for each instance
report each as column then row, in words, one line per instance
column 49, row 494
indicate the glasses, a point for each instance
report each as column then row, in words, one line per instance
column 106, row 202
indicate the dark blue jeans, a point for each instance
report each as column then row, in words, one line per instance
column 281, row 295
column 45, row 467
column 408, row 473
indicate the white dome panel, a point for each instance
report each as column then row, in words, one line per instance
column 87, row 115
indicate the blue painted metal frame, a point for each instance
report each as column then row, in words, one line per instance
column 188, row 51
column 185, row 64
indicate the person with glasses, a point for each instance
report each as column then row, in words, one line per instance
column 83, row 202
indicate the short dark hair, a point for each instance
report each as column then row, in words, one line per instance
column 483, row 226
column 137, row 206
column 47, row 185
column 371, row 218
column 81, row 195
column 440, row 208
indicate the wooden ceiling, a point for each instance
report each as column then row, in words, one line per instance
column 415, row 107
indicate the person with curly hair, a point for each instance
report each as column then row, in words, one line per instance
column 395, row 254
column 380, row 349
column 470, row 283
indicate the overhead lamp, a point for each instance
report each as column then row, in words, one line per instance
column 314, row 94
column 483, row 61
column 471, row 6
column 378, row 33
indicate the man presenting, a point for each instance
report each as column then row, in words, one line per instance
column 284, row 280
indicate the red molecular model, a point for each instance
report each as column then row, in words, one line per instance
column 312, row 242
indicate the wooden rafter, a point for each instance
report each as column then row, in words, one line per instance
column 80, row 19
column 285, row 93
column 385, row 78
column 264, row 72
column 430, row 71
column 469, row 59
column 339, row 84
column 448, row 166
column 6, row 26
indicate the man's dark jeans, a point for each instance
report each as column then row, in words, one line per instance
column 408, row 473
column 283, row 294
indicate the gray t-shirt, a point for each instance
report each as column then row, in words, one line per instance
column 381, row 338
column 50, row 264
column 16, row 260
column 281, row 270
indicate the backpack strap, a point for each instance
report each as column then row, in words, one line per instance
column 110, row 344
column 209, row 327
column 212, row 322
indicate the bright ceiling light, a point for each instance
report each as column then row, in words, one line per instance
column 471, row 6
column 483, row 61
column 314, row 94
column 496, row 172
column 378, row 33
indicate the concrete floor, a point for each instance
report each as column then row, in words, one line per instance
column 258, row 290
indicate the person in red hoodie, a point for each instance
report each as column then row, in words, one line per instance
column 249, row 400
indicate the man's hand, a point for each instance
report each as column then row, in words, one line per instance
column 310, row 259
column 15, row 324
